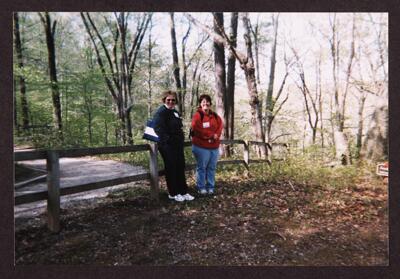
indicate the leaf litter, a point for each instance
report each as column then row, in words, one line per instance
column 248, row 222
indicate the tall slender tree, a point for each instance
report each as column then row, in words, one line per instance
column 49, row 26
column 175, row 61
column 219, row 69
column 230, row 83
column 21, row 79
column 149, row 96
column 340, row 139
column 249, row 70
column 310, row 100
column 271, row 108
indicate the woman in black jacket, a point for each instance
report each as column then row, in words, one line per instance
column 168, row 126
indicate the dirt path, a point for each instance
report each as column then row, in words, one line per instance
column 75, row 171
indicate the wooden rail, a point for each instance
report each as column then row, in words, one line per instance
column 53, row 192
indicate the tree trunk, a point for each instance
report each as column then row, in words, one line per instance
column 230, row 85
column 21, row 79
column 269, row 104
column 340, row 140
column 254, row 102
column 149, row 97
column 175, row 62
column 256, row 33
column 220, row 75
column 193, row 89
column 16, row 125
column 375, row 145
column 50, row 27
column 185, row 68
column 65, row 109
column 320, row 102
column 105, row 121
column 360, row 128
column 128, row 126
column 348, row 75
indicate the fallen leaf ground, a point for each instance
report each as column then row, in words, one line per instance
column 248, row 222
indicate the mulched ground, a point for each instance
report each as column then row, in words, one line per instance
column 248, row 222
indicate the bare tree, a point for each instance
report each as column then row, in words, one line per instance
column 310, row 100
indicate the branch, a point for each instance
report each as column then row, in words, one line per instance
column 282, row 135
column 53, row 28
column 42, row 18
column 143, row 30
column 217, row 38
column 281, row 105
column 282, row 85
column 197, row 50
column 104, row 48
column 136, row 38
column 99, row 60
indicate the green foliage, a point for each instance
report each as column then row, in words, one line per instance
column 307, row 170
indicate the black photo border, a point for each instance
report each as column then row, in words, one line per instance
column 7, row 266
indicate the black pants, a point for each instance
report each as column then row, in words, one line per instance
column 174, row 163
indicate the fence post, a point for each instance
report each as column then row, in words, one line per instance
column 154, row 172
column 53, row 188
column 246, row 156
column 269, row 153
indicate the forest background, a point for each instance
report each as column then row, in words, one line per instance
column 310, row 80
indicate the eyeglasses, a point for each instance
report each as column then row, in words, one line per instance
column 170, row 100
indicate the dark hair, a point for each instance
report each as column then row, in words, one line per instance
column 205, row 96
column 165, row 94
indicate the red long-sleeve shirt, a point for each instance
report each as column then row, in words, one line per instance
column 204, row 130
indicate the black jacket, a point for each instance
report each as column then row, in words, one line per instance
column 168, row 126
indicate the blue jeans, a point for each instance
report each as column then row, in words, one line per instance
column 206, row 165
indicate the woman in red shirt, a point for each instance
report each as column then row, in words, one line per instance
column 207, row 128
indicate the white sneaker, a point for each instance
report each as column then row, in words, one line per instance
column 188, row 197
column 203, row 192
column 211, row 191
column 179, row 198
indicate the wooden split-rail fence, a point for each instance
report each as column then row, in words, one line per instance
column 54, row 191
